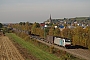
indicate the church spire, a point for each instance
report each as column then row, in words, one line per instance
column 50, row 18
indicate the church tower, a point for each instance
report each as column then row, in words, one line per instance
column 50, row 19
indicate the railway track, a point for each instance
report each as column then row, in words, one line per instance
column 8, row 51
column 80, row 53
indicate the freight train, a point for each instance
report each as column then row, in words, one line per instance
column 58, row 41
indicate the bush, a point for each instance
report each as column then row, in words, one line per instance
column 51, row 49
column 27, row 38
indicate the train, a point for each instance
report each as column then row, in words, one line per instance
column 60, row 41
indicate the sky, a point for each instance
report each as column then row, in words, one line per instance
column 15, row 11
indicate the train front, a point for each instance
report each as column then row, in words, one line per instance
column 67, row 43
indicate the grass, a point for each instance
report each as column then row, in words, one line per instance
column 40, row 54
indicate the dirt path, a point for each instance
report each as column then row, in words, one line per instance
column 83, row 53
column 8, row 51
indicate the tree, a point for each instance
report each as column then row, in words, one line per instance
column 57, row 32
column 41, row 31
column 1, row 25
column 79, row 36
column 27, row 26
column 87, row 37
column 51, row 31
column 34, row 26
column 22, row 23
column 67, row 33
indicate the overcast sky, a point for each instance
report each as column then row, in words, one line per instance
column 40, row 10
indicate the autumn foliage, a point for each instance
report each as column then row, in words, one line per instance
column 79, row 36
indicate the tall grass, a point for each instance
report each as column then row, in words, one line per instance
column 40, row 54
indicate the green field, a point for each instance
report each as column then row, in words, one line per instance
column 35, row 51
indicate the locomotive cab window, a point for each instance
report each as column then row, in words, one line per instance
column 67, row 40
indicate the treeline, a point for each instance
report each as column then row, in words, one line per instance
column 78, row 35
column 81, row 36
